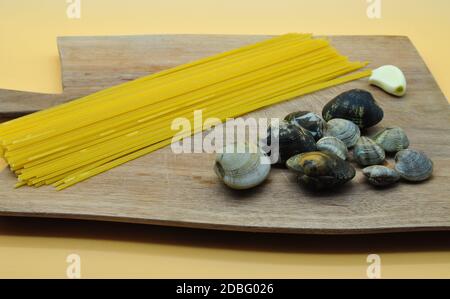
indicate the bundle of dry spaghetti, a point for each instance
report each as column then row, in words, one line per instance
column 69, row 143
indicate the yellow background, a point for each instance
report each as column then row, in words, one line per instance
column 29, row 61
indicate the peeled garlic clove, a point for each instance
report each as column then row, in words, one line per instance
column 389, row 78
column 242, row 170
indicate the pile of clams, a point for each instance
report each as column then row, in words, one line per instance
column 320, row 149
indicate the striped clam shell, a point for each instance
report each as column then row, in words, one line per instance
column 344, row 130
column 381, row 175
column 333, row 145
column 366, row 152
column 392, row 140
column 413, row 165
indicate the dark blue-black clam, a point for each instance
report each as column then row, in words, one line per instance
column 291, row 140
column 310, row 121
column 356, row 105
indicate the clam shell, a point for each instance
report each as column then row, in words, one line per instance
column 367, row 152
column 333, row 145
column 310, row 121
column 355, row 105
column 381, row 175
column 321, row 170
column 292, row 140
column 344, row 130
column 392, row 140
column 242, row 170
column 413, row 165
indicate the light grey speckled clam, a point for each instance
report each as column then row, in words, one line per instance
column 367, row 152
column 334, row 146
column 242, row 169
column 413, row 165
column 392, row 140
column 381, row 175
column 344, row 130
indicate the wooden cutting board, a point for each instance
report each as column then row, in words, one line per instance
column 181, row 190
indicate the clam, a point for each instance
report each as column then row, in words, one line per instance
column 367, row 152
column 392, row 140
column 381, row 175
column 321, row 170
column 310, row 121
column 355, row 105
column 242, row 170
column 344, row 130
column 413, row 165
column 334, row 146
column 290, row 140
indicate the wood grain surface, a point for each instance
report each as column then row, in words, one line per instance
column 182, row 190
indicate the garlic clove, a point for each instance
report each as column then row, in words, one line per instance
column 389, row 78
